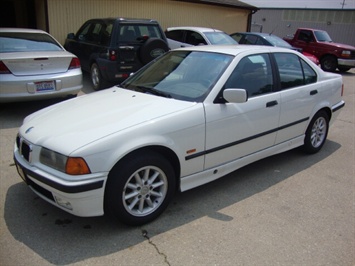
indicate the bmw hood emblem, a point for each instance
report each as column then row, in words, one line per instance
column 29, row 129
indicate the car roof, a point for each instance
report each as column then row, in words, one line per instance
column 22, row 30
column 238, row 49
column 262, row 34
column 123, row 19
column 198, row 29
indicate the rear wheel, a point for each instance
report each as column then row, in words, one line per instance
column 139, row 188
column 96, row 77
column 316, row 133
column 329, row 63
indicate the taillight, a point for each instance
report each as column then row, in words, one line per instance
column 75, row 63
column 342, row 89
column 4, row 69
column 112, row 56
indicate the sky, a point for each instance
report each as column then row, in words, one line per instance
column 327, row 4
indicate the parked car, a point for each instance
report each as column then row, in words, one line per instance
column 34, row 66
column 113, row 48
column 257, row 38
column 331, row 55
column 190, row 117
column 190, row 36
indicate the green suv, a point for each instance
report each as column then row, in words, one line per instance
column 113, row 48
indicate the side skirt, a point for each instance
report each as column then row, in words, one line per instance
column 204, row 177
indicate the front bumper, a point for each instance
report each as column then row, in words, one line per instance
column 346, row 62
column 82, row 197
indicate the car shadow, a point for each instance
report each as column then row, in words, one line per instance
column 61, row 238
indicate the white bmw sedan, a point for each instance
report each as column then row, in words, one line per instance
column 34, row 66
column 191, row 116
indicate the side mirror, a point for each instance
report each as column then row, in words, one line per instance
column 71, row 36
column 235, row 95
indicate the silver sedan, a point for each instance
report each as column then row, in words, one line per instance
column 34, row 66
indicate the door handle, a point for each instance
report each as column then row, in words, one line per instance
column 313, row 92
column 271, row 104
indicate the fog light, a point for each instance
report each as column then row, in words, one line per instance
column 64, row 203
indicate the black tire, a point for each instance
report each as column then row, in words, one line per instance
column 151, row 49
column 133, row 200
column 344, row 69
column 316, row 133
column 329, row 63
column 96, row 77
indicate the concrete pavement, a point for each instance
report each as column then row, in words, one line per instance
column 290, row 209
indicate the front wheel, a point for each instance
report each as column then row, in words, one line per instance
column 316, row 133
column 139, row 188
column 329, row 63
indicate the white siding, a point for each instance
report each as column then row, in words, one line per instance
column 340, row 24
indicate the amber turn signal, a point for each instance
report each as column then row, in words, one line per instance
column 77, row 166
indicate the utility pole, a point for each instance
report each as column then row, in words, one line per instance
column 342, row 5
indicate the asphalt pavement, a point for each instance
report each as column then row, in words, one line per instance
column 289, row 209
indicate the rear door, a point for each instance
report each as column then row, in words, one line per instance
column 299, row 94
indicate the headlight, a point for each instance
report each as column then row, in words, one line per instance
column 65, row 164
column 346, row 53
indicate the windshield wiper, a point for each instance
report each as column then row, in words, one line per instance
column 154, row 91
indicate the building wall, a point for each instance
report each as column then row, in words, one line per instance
column 65, row 16
column 340, row 24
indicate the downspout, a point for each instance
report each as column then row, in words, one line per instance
column 250, row 19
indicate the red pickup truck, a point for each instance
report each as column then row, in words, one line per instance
column 330, row 55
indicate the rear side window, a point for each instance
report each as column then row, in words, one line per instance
column 27, row 42
column 294, row 71
column 176, row 35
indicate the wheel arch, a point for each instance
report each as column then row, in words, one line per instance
column 326, row 55
column 164, row 151
column 327, row 109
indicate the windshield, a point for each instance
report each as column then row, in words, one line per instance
column 219, row 38
column 322, row 36
column 27, row 42
column 278, row 42
column 182, row 75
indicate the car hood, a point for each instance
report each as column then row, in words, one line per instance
column 339, row 45
column 72, row 124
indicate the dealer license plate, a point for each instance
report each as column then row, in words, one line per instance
column 45, row 86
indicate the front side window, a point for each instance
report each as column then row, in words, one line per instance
column 294, row 71
column 182, row 75
column 254, row 74
column 194, row 38
column 250, row 39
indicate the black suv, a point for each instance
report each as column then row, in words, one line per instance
column 113, row 48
